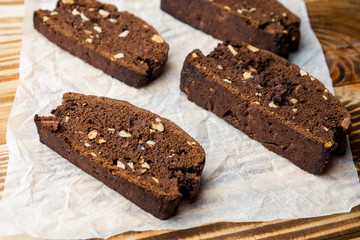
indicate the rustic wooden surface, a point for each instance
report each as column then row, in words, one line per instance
column 336, row 24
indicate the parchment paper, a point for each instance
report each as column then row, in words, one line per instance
column 46, row 196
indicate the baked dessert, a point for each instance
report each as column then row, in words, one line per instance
column 119, row 43
column 264, row 24
column 144, row 157
column 271, row 100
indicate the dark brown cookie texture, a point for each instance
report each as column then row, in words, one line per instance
column 264, row 24
column 119, row 43
column 144, row 157
column 271, row 100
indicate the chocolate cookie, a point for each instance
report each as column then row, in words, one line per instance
column 264, row 24
column 144, row 157
column 119, row 43
column 271, row 100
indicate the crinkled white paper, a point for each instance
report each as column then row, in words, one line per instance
column 46, row 196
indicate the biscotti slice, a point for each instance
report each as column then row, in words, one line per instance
column 271, row 100
column 119, row 43
column 146, row 158
column 265, row 24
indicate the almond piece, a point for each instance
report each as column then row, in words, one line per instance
column 124, row 33
column 117, row 56
column 124, row 134
column 232, row 50
column 252, row 48
column 157, row 38
column 104, row 13
column 150, row 143
column 157, row 126
column 92, row 134
column 303, row 73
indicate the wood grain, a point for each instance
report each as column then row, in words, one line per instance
column 349, row 95
column 4, row 160
column 336, row 23
column 10, row 46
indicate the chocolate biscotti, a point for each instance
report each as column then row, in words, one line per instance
column 271, row 100
column 146, row 158
column 119, row 43
column 264, row 24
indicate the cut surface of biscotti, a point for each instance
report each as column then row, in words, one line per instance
column 144, row 157
column 119, row 43
column 271, row 100
column 265, row 24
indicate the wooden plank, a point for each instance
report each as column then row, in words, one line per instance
column 309, row 228
column 10, row 47
column 8, row 89
column 11, row 2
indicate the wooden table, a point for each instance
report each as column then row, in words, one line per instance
column 336, row 24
